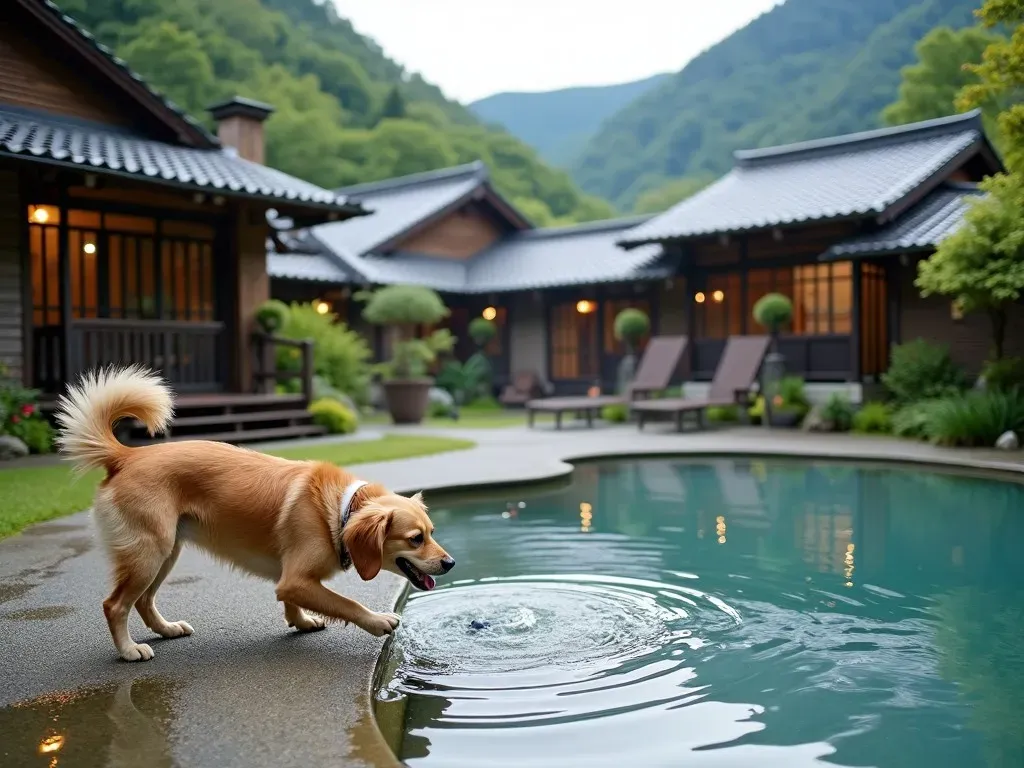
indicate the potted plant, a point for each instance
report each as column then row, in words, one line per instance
column 401, row 309
column 630, row 326
column 790, row 404
column 773, row 311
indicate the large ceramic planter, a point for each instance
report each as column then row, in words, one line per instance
column 785, row 418
column 407, row 399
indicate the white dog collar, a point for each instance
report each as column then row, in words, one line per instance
column 346, row 499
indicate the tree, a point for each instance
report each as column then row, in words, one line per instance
column 670, row 193
column 981, row 266
column 1001, row 76
column 930, row 86
column 394, row 105
column 176, row 63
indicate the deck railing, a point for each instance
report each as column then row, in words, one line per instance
column 277, row 359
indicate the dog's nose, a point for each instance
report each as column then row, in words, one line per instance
column 447, row 564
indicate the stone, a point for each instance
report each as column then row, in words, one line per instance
column 12, row 448
column 815, row 422
column 441, row 397
column 477, row 624
column 1008, row 441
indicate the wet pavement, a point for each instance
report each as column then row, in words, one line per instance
column 245, row 690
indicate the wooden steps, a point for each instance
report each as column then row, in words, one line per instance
column 244, row 436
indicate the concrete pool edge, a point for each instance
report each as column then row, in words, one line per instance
column 561, row 462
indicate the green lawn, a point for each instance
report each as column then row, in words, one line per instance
column 468, row 419
column 35, row 494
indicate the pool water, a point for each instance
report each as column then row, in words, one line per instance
column 721, row 612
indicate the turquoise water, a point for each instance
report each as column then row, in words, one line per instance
column 723, row 613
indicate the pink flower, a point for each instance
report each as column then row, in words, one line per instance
column 28, row 410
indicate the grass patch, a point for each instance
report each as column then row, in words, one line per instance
column 35, row 494
column 468, row 419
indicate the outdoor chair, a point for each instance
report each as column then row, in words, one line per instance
column 524, row 387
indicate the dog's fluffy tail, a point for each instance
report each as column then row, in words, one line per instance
column 87, row 413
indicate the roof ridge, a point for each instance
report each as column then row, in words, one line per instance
column 476, row 168
column 90, row 39
column 746, row 158
column 586, row 227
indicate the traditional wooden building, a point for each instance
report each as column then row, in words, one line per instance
column 837, row 224
column 128, row 232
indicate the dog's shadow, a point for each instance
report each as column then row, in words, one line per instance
column 137, row 738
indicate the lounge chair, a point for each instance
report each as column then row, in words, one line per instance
column 734, row 378
column 524, row 387
column 657, row 366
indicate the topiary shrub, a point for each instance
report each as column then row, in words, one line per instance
column 921, row 370
column 272, row 316
column 340, row 355
column 838, row 412
column 482, row 330
column 630, row 327
column 873, row 419
column 333, row 416
column 616, row 414
column 402, row 308
column 1004, row 374
column 773, row 311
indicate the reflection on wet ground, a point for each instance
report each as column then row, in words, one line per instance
column 118, row 725
column 13, row 591
column 43, row 613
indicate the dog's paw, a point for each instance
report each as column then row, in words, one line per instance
column 307, row 623
column 175, row 629
column 137, row 652
column 380, row 624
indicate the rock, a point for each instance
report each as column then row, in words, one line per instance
column 815, row 422
column 1008, row 441
column 441, row 397
column 12, row 448
column 477, row 624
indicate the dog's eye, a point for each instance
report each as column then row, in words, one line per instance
column 416, row 540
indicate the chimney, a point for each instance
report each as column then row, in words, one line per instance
column 240, row 125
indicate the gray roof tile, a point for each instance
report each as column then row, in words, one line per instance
column 305, row 266
column 862, row 174
column 923, row 227
column 107, row 149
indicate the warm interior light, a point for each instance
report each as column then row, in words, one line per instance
column 718, row 296
column 322, row 307
column 699, row 297
column 586, row 516
column 489, row 313
column 89, row 248
column 40, row 215
column 594, row 391
column 584, row 307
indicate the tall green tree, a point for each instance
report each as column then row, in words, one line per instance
column 177, row 62
column 930, row 86
column 394, row 105
column 671, row 192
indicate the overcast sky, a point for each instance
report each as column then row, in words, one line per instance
column 473, row 48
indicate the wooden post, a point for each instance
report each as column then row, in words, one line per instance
column 68, row 357
column 307, row 370
column 855, row 334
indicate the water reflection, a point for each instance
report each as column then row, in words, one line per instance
column 725, row 612
column 118, row 725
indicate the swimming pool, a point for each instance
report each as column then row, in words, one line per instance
column 720, row 612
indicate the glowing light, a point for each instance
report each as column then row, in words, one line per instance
column 586, row 516
column 718, row 296
column 40, row 215
column 51, row 744
column 720, row 528
column 322, row 307
column 699, row 297
column 89, row 248
column 584, row 307
column 848, row 566
column 489, row 313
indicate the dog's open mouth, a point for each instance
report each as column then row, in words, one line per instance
column 419, row 579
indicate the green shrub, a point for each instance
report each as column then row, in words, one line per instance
column 340, row 355
column 631, row 325
column 403, row 307
column 37, row 434
column 333, row 416
column 920, row 371
column 617, row 413
column 838, row 411
column 974, row 419
column 723, row 413
column 791, row 395
column 438, row 410
column 1005, row 374
column 20, row 416
column 272, row 315
column 912, row 420
column 873, row 419
column 482, row 330
column 773, row 311
column 484, row 405
column 756, row 411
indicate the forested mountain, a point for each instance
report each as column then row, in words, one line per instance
column 805, row 69
column 346, row 113
column 559, row 123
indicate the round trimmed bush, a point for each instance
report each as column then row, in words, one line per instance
column 482, row 330
column 272, row 315
column 631, row 325
column 404, row 305
column 773, row 311
column 333, row 416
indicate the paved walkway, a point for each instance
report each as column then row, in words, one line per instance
column 244, row 690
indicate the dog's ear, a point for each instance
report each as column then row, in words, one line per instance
column 364, row 538
column 418, row 498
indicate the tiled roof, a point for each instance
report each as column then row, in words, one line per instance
column 399, row 205
column 541, row 258
column 106, row 149
column 859, row 175
column 923, row 227
column 86, row 38
column 317, row 267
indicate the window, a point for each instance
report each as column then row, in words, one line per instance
column 120, row 266
column 574, row 341
column 822, row 296
column 874, row 329
column 612, row 307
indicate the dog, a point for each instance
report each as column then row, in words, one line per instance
column 296, row 523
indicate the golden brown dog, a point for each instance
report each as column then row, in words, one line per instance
column 294, row 522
